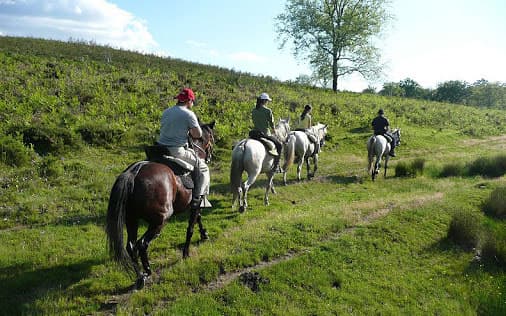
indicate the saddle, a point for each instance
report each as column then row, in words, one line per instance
column 268, row 144
column 312, row 137
column 182, row 169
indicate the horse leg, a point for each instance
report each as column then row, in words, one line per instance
column 270, row 186
column 189, row 231
column 246, row 185
column 308, row 168
column 284, row 177
column 143, row 244
column 315, row 162
column 203, row 232
column 299, row 169
column 386, row 165
column 131, row 245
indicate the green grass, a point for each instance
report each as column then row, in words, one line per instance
column 337, row 244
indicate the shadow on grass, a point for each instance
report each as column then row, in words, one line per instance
column 23, row 286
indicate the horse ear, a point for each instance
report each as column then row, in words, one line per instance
column 211, row 125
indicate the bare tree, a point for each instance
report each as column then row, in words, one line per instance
column 335, row 35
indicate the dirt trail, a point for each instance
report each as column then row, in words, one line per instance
column 226, row 278
column 109, row 307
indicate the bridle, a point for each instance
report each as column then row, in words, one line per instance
column 205, row 148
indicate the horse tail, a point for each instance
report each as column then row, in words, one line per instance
column 237, row 166
column 116, row 214
column 290, row 151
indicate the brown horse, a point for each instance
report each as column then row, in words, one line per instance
column 152, row 192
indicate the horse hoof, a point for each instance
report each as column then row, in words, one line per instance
column 141, row 281
column 204, row 236
column 241, row 209
column 186, row 253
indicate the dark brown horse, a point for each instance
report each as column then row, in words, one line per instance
column 152, row 192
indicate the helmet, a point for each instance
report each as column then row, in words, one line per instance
column 381, row 112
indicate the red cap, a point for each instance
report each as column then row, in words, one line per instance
column 185, row 95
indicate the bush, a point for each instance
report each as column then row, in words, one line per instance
column 452, row 170
column 13, row 152
column 402, row 169
column 100, row 134
column 418, row 165
column 494, row 250
column 47, row 139
column 495, row 205
column 51, row 167
column 488, row 166
column 465, row 229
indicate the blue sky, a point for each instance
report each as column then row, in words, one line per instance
column 430, row 41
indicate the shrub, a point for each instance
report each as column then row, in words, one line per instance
column 494, row 250
column 47, row 139
column 100, row 134
column 465, row 229
column 418, row 165
column 51, row 167
column 495, row 205
column 13, row 152
column 488, row 166
column 402, row 169
column 452, row 170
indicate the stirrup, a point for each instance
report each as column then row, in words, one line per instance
column 204, row 202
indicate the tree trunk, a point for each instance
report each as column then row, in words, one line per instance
column 334, row 75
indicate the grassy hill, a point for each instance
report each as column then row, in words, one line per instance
column 73, row 116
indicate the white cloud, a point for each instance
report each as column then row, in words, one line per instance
column 90, row 20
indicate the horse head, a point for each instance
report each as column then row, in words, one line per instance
column 320, row 130
column 396, row 133
column 203, row 146
column 282, row 129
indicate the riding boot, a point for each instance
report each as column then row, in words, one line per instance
column 195, row 203
column 275, row 165
column 392, row 152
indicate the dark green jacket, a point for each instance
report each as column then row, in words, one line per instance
column 262, row 120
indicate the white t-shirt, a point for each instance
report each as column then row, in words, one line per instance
column 175, row 124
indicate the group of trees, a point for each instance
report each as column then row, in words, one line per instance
column 336, row 38
column 480, row 93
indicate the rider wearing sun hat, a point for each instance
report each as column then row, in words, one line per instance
column 381, row 125
column 263, row 123
column 176, row 123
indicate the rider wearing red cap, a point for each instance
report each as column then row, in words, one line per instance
column 176, row 123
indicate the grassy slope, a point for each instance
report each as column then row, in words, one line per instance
column 342, row 244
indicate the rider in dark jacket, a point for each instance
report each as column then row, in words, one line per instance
column 380, row 125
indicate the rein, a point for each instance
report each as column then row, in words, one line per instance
column 206, row 148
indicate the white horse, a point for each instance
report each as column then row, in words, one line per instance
column 251, row 156
column 378, row 146
column 299, row 149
